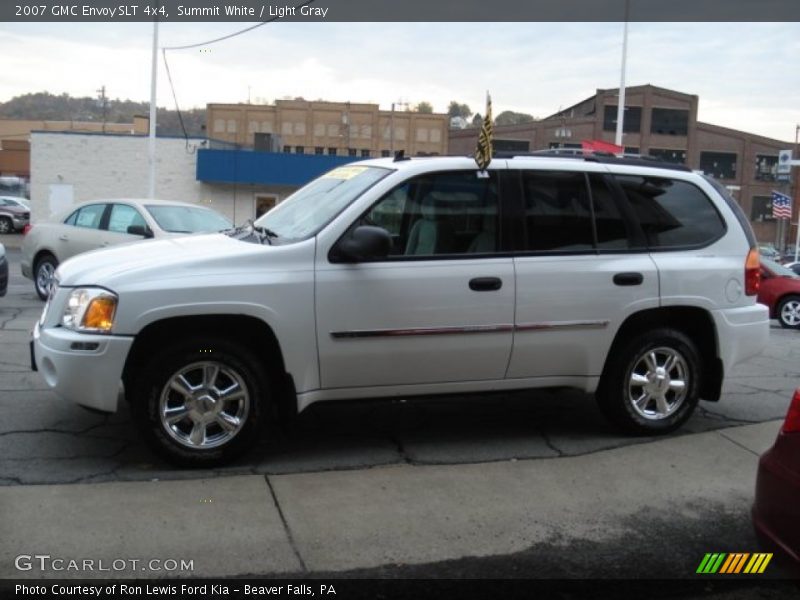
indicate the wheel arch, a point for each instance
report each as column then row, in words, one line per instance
column 250, row 331
column 696, row 323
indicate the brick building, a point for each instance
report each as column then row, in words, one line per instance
column 661, row 123
column 329, row 128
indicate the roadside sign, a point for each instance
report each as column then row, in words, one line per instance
column 784, row 165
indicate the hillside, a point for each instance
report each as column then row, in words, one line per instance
column 47, row 106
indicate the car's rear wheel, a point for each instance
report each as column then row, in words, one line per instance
column 6, row 226
column 651, row 383
column 789, row 312
column 201, row 402
column 43, row 275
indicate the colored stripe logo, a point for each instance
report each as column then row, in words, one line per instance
column 734, row 563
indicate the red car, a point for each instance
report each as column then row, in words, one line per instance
column 780, row 291
column 776, row 512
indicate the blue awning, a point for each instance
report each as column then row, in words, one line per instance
column 267, row 168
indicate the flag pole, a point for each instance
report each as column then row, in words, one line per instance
column 795, row 200
column 621, row 102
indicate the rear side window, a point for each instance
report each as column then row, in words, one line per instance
column 89, row 216
column 672, row 213
column 558, row 214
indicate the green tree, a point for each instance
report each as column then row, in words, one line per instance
column 424, row 107
column 458, row 110
column 509, row 117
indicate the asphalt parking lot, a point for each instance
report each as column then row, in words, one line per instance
column 483, row 464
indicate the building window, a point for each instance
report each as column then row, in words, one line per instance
column 351, row 152
column 299, row 150
column 499, row 145
column 672, row 156
column 287, row 149
column 286, row 128
column 422, row 134
column 231, row 126
column 400, row 133
column 669, row 121
column 719, row 165
column 555, row 145
column 631, row 122
column 366, row 131
column 365, row 152
column 766, row 167
column 263, row 203
column 300, row 128
column 385, row 153
column 436, row 136
column 762, row 209
column 318, row 150
column 319, row 129
column 333, row 130
column 219, row 125
column 331, row 151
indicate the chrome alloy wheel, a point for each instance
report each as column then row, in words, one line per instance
column 790, row 313
column 658, row 382
column 204, row 405
column 44, row 278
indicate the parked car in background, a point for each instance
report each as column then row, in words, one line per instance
column 15, row 213
column 780, row 291
column 769, row 251
column 3, row 271
column 101, row 223
column 776, row 511
column 793, row 266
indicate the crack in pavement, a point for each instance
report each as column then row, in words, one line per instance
column 742, row 446
column 549, row 443
column 714, row 416
column 16, row 313
column 286, row 528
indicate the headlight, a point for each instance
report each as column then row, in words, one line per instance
column 90, row 310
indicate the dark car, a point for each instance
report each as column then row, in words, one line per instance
column 15, row 214
column 780, row 291
column 3, row 271
column 776, row 511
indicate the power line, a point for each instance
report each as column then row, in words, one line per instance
column 235, row 33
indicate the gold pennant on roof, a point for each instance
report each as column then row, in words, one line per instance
column 483, row 154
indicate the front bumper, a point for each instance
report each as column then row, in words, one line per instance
column 83, row 368
column 20, row 222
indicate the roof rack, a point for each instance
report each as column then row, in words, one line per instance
column 636, row 160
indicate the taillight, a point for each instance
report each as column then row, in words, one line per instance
column 792, row 422
column 752, row 272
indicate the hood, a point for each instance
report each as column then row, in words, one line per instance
column 153, row 260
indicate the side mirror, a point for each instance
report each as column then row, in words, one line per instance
column 363, row 244
column 141, row 230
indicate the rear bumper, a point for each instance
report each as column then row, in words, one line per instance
column 3, row 276
column 742, row 332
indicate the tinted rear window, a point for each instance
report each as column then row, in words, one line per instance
column 672, row 213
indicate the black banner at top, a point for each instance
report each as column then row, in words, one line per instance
column 399, row 10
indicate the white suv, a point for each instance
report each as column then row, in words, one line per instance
column 405, row 277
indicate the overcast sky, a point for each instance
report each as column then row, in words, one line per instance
column 746, row 75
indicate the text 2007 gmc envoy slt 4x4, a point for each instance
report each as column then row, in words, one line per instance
column 629, row 278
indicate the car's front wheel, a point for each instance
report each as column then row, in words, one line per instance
column 200, row 402
column 789, row 312
column 43, row 275
column 651, row 383
column 6, row 226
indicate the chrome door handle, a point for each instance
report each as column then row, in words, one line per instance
column 63, row 238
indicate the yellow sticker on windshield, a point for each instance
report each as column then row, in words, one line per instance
column 345, row 172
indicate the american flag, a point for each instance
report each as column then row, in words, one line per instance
column 781, row 206
column 483, row 155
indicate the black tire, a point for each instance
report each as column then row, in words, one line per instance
column 150, row 398
column 6, row 226
column 43, row 272
column 788, row 312
column 628, row 368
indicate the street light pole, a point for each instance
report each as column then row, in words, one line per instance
column 621, row 102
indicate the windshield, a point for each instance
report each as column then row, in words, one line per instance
column 313, row 206
column 187, row 219
column 779, row 270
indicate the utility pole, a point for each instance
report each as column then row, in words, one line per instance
column 103, row 103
